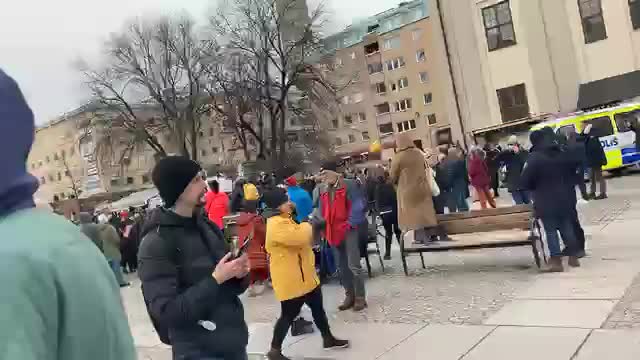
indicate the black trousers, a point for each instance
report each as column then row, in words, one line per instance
column 290, row 310
column 390, row 224
column 578, row 231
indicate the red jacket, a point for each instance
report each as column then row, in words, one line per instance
column 336, row 214
column 216, row 206
column 478, row 172
column 253, row 224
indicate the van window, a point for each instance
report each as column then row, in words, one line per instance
column 567, row 129
column 600, row 126
column 624, row 120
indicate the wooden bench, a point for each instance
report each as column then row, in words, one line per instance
column 509, row 227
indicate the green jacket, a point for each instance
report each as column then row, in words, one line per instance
column 59, row 298
column 110, row 241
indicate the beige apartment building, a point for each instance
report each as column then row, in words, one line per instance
column 515, row 61
column 399, row 81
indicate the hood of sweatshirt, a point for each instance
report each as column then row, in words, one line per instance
column 17, row 131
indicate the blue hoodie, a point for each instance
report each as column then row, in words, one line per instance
column 303, row 201
column 59, row 298
column 17, row 186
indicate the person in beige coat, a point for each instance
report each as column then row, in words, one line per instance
column 415, row 203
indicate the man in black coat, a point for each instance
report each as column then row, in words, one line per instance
column 514, row 159
column 548, row 175
column 190, row 286
column 596, row 159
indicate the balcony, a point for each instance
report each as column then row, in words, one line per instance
column 372, row 49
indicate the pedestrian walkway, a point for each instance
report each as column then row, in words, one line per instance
column 588, row 313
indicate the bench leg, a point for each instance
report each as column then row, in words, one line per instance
column 366, row 260
column 422, row 260
column 403, row 255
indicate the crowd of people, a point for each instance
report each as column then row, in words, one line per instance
column 192, row 276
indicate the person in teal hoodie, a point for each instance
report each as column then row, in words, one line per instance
column 59, row 298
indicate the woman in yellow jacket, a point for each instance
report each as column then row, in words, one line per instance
column 293, row 272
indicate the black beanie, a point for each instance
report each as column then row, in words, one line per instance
column 172, row 175
column 274, row 198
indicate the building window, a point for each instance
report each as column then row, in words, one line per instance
column 345, row 99
column 365, row 136
column 353, row 55
column 431, row 119
column 362, row 117
column 67, row 173
column 424, row 77
column 348, row 119
column 334, row 123
column 513, row 102
column 214, row 150
column 129, row 180
column 420, row 56
column 48, row 160
column 338, row 62
column 371, row 49
column 55, row 157
column 427, row 98
column 416, row 34
column 40, row 163
column 352, row 138
column 211, row 132
column 252, row 141
column 393, row 86
column 203, row 152
column 356, row 98
column 402, row 105
column 403, row 83
column 201, row 133
column 391, row 43
column 634, row 10
column 592, row 21
column 406, row 125
column 338, row 141
column 395, row 63
column 498, row 26
column 43, row 180
column 50, row 178
column 374, row 68
column 381, row 88
column 386, row 129
column 382, row 109
column 145, row 179
column 63, row 154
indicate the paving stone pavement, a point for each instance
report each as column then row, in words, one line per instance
column 463, row 305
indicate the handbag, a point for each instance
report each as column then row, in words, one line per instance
column 431, row 177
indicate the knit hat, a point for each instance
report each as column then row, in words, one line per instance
column 291, row 181
column 172, row 175
column 512, row 140
column 274, row 198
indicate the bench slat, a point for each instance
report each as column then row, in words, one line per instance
column 486, row 212
column 487, row 224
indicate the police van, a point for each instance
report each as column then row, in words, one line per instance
column 612, row 126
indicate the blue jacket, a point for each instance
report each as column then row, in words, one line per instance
column 303, row 201
column 358, row 198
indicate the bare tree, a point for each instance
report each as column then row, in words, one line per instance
column 159, row 64
column 75, row 184
column 280, row 42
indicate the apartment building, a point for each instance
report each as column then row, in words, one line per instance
column 398, row 81
column 514, row 61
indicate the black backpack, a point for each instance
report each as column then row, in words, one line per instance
column 161, row 328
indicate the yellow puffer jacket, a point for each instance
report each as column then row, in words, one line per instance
column 291, row 259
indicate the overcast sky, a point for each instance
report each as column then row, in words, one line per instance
column 40, row 39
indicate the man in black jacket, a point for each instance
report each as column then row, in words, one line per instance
column 596, row 159
column 548, row 175
column 514, row 159
column 190, row 286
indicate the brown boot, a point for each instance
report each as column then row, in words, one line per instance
column 348, row 303
column 573, row 261
column 359, row 304
column 555, row 265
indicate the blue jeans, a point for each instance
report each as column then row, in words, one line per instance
column 115, row 267
column 563, row 225
column 521, row 197
column 458, row 197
